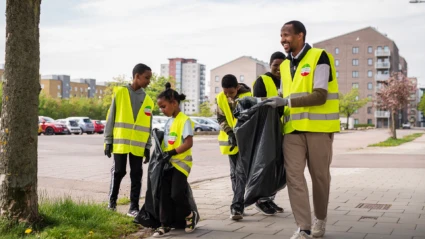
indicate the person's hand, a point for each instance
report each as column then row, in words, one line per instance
column 276, row 101
column 232, row 140
column 108, row 150
column 168, row 154
column 147, row 156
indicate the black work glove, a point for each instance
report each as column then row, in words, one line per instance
column 147, row 156
column 108, row 150
column 168, row 154
column 232, row 140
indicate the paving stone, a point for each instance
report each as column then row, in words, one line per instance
column 406, row 232
column 380, row 236
column 362, row 229
column 252, row 228
column 262, row 236
column 222, row 234
column 344, row 235
column 222, row 227
column 177, row 234
column 396, row 225
column 366, row 214
column 354, row 224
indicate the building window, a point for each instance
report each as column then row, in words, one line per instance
column 337, row 51
column 355, row 62
column 369, row 121
column 217, row 79
column 357, row 98
column 386, row 48
column 42, row 86
column 369, row 74
column 355, row 50
column 369, row 96
column 355, row 85
column 369, row 86
column 356, row 121
column 59, row 87
column 76, row 89
column 81, row 89
column 369, row 49
column 369, row 62
column 369, row 110
column 355, row 74
column 242, row 78
column 217, row 89
column 337, row 74
column 336, row 62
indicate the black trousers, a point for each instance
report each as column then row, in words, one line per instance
column 118, row 172
column 238, row 179
column 173, row 202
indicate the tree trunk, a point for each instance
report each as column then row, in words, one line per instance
column 348, row 121
column 393, row 130
column 19, row 117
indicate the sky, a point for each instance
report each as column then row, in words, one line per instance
column 102, row 39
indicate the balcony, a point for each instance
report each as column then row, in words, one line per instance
column 382, row 65
column 382, row 114
column 382, row 77
column 379, row 53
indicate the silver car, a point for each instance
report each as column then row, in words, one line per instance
column 72, row 125
column 85, row 124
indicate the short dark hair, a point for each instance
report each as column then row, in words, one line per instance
column 277, row 55
column 229, row 81
column 170, row 94
column 140, row 69
column 298, row 27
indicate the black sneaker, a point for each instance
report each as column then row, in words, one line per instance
column 161, row 232
column 236, row 214
column 265, row 208
column 112, row 205
column 191, row 222
column 132, row 212
column 275, row 207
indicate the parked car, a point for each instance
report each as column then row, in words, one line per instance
column 72, row 125
column 406, row 125
column 206, row 122
column 202, row 127
column 103, row 122
column 40, row 128
column 98, row 126
column 50, row 127
column 85, row 124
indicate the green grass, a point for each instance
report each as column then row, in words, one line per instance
column 395, row 142
column 65, row 219
column 123, row 201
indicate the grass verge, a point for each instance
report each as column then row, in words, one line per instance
column 123, row 201
column 65, row 219
column 395, row 142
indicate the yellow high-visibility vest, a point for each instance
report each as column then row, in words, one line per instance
column 223, row 138
column 323, row 118
column 130, row 136
column 181, row 161
column 270, row 86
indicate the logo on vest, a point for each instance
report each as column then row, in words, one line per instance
column 305, row 70
column 172, row 138
column 148, row 111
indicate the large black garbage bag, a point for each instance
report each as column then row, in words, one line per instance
column 259, row 137
column 149, row 214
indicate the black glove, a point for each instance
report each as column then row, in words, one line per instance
column 168, row 154
column 147, row 156
column 108, row 150
column 232, row 140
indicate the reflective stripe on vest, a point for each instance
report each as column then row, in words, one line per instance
column 131, row 136
column 181, row 161
column 323, row 118
column 223, row 138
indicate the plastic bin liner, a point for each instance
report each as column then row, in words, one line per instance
column 259, row 138
column 149, row 214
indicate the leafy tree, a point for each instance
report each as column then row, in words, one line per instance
column 350, row 102
column 421, row 105
column 157, row 86
column 394, row 96
column 205, row 110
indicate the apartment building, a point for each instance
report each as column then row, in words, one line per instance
column 247, row 69
column 363, row 59
column 421, row 116
column 189, row 76
column 412, row 106
column 61, row 86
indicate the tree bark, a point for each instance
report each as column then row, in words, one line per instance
column 348, row 121
column 393, row 130
column 19, row 117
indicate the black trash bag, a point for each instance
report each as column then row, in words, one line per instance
column 148, row 216
column 259, row 137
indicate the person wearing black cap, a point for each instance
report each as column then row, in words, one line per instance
column 266, row 86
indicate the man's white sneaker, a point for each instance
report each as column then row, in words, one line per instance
column 319, row 228
column 300, row 235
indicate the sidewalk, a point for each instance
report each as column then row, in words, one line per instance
column 402, row 190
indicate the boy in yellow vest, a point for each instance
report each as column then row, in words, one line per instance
column 127, row 132
column 266, row 86
column 177, row 145
column 226, row 103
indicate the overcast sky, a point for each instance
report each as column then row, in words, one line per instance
column 104, row 38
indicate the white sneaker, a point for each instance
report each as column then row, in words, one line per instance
column 319, row 228
column 300, row 235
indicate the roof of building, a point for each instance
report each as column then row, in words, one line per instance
column 250, row 57
column 369, row 27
